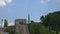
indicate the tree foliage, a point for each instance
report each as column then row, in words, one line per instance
column 37, row 28
column 52, row 20
column 10, row 29
column 5, row 23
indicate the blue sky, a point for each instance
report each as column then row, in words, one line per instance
column 16, row 9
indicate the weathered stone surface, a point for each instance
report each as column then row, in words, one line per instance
column 21, row 26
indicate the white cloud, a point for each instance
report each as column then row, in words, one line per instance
column 8, row 1
column 11, row 24
column 44, row 1
column 4, row 2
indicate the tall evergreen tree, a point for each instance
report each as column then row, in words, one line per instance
column 5, row 25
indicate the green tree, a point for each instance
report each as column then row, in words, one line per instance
column 32, row 21
column 34, row 28
column 5, row 25
column 10, row 29
column 37, row 28
column 52, row 20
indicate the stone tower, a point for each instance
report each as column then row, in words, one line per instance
column 21, row 26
